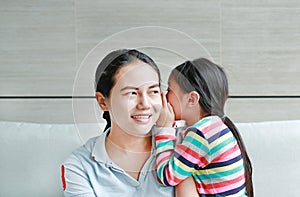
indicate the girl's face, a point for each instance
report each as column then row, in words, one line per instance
column 176, row 97
column 135, row 100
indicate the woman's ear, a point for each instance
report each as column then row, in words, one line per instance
column 193, row 98
column 101, row 101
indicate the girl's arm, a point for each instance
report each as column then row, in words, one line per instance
column 186, row 188
column 175, row 164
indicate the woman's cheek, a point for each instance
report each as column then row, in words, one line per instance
column 158, row 103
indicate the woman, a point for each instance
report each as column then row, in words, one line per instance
column 120, row 162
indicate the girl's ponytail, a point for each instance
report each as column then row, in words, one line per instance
column 247, row 162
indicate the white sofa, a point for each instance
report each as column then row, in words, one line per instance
column 31, row 155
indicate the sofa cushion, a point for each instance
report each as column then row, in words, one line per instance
column 274, row 148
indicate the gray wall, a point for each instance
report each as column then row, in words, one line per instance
column 43, row 43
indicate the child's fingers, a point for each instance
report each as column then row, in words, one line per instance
column 170, row 108
column 164, row 100
column 171, row 112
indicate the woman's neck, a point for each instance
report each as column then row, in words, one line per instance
column 129, row 142
column 128, row 151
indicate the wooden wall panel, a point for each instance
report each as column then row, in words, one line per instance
column 263, row 109
column 97, row 20
column 87, row 111
column 37, row 47
column 36, row 110
column 42, row 44
column 261, row 46
column 50, row 110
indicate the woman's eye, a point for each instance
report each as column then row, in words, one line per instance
column 131, row 93
column 155, row 91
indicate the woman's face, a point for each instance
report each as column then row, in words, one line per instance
column 135, row 100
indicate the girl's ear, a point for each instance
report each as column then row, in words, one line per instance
column 101, row 101
column 193, row 98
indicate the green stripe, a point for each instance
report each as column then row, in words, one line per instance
column 166, row 143
column 159, row 172
column 219, row 174
column 203, row 121
column 180, row 170
column 221, row 145
column 196, row 143
column 161, row 168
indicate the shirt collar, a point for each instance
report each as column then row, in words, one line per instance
column 99, row 153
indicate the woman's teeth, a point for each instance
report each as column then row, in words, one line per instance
column 141, row 117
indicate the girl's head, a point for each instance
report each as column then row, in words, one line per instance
column 128, row 90
column 198, row 82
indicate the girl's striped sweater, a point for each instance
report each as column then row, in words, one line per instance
column 209, row 152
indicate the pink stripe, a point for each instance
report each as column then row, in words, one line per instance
column 220, row 190
column 189, row 157
column 226, row 187
column 172, row 180
column 211, row 127
column 192, row 155
column 229, row 154
column 163, row 157
column 232, row 186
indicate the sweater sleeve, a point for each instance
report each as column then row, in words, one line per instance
column 177, row 162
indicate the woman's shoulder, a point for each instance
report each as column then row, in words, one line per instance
column 84, row 152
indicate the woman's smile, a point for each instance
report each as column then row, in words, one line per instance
column 142, row 118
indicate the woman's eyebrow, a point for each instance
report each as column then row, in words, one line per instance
column 129, row 88
column 154, row 86
column 136, row 88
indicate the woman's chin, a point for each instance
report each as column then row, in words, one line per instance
column 141, row 130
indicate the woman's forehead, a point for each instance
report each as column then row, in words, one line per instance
column 137, row 74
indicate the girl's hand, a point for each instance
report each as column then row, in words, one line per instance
column 167, row 117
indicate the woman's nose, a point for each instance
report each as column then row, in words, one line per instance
column 144, row 102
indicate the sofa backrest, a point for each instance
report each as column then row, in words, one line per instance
column 31, row 156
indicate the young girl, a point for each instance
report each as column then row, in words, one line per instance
column 212, row 151
column 120, row 162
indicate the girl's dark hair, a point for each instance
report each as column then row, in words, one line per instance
column 210, row 82
column 110, row 65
